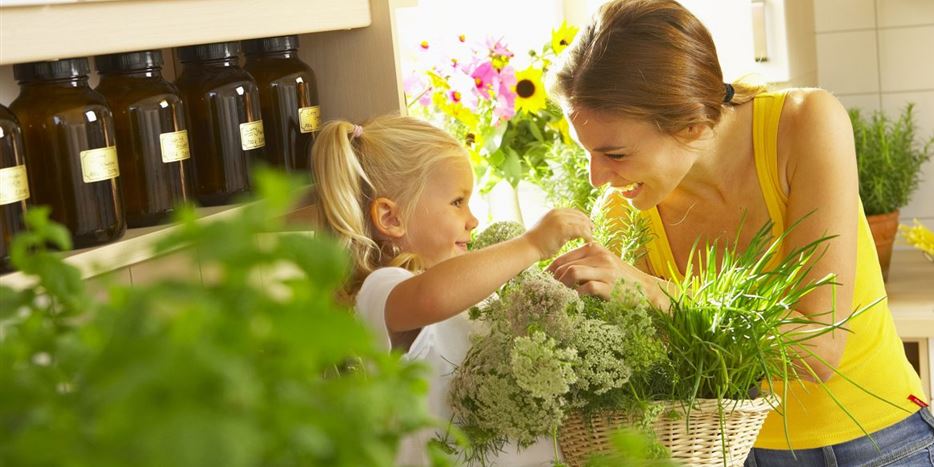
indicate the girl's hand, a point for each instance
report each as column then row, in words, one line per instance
column 556, row 228
column 595, row 270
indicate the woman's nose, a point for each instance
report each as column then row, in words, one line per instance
column 599, row 172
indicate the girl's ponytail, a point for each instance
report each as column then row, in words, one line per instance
column 342, row 189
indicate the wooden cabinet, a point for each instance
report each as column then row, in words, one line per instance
column 349, row 43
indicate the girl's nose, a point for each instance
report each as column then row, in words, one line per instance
column 472, row 221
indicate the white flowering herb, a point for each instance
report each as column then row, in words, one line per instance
column 548, row 351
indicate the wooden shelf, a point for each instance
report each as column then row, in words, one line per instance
column 134, row 247
column 62, row 30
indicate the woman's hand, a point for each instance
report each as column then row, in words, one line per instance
column 595, row 270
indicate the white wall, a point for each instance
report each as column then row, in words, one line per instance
column 877, row 55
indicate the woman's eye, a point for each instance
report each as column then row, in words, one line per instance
column 615, row 157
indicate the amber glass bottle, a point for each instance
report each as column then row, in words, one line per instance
column 289, row 94
column 69, row 134
column 152, row 134
column 14, row 185
column 226, row 124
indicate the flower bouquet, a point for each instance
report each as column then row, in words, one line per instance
column 495, row 103
column 699, row 375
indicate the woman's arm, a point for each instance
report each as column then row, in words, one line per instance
column 816, row 139
column 456, row 284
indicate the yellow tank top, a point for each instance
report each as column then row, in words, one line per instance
column 874, row 356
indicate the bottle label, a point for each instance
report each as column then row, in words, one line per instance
column 174, row 146
column 309, row 118
column 99, row 164
column 14, row 186
column 251, row 135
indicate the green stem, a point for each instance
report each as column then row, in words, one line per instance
column 516, row 205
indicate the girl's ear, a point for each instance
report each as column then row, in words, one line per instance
column 387, row 218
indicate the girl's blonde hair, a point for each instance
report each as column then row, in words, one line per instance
column 389, row 156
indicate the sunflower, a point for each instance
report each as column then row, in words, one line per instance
column 530, row 90
column 562, row 37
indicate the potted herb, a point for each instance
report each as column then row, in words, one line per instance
column 253, row 369
column 889, row 159
column 576, row 369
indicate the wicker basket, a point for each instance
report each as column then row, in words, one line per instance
column 698, row 444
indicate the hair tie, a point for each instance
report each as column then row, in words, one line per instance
column 357, row 131
column 729, row 92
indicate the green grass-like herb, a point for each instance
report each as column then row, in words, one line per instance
column 732, row 326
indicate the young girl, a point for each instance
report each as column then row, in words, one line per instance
column 395, row 192
column 646, row 98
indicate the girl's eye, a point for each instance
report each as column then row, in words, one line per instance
column 457, row 202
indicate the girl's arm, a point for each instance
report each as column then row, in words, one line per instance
column 456, row 284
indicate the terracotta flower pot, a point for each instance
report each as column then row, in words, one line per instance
column 884, row 227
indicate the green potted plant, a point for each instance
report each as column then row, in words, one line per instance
column 576, row 369
column 253, row 369
column 889, row 158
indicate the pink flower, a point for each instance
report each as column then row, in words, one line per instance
column 416, row 85
column 462, row 84
column 497, row 47
column 484, row 77
column 505, row 96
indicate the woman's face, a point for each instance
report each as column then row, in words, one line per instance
column 632, row 156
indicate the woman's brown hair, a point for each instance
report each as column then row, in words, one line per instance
column 648, row 59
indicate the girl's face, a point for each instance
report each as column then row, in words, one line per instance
column 632, row 156
column 440, row 225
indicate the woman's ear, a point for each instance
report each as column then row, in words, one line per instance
column 692, row 133
column 387, row 218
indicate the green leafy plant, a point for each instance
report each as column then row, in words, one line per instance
column 255, row 368
column 889, row 158
column 731, row 333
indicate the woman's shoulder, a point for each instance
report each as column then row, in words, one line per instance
column 813, row 123
column 806, row 105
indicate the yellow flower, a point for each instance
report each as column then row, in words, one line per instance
column 562, row 37
column 530, row 90
column 562, row 127
column 919, row 237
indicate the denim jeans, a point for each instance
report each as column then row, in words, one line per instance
column 909, row 442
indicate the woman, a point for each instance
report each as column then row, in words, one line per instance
column 644, row 92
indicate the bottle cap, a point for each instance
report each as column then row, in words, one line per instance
column 53, row 69
column 270, row 44
column 128, row 61
column 215, row 51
